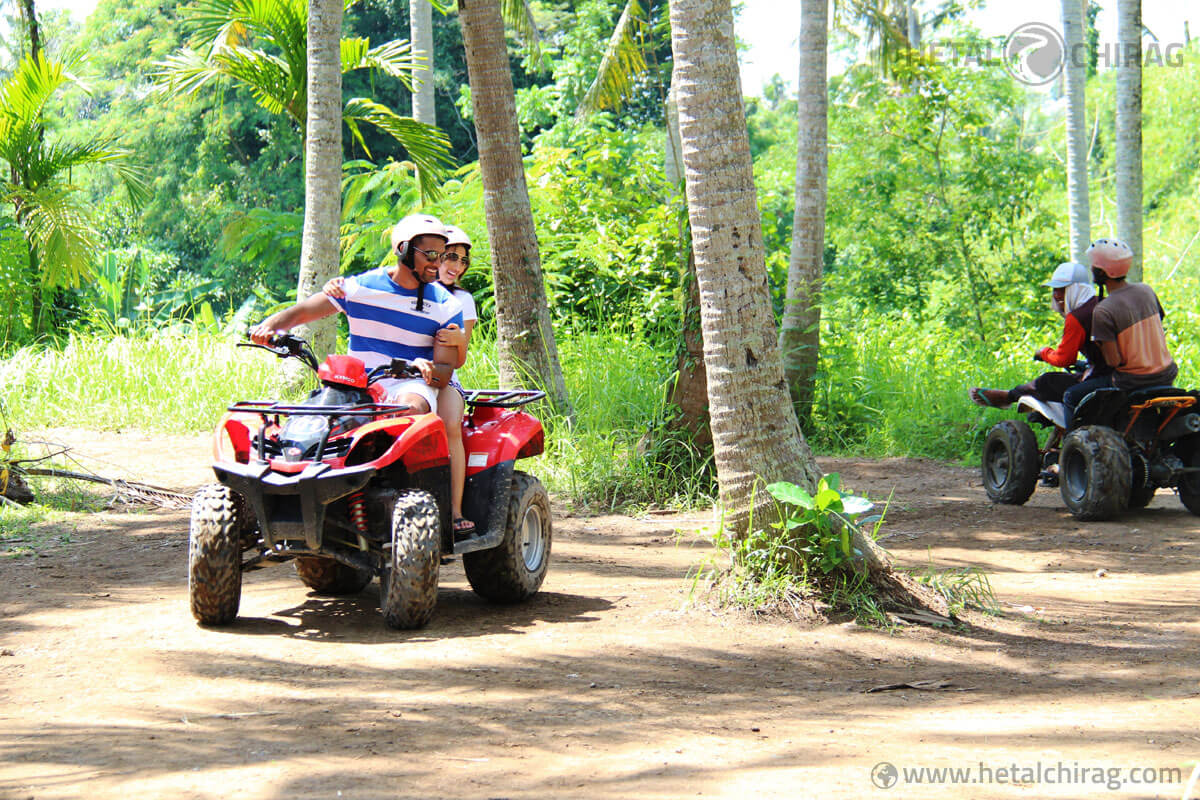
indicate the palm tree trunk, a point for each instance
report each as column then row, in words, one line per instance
column 672, row 155
column 1129, row 130
column 913, row 16
column 528, row 353
column 1075, row 70
column 756, row 437
column 420, row 22
column 31, row 22
column 689, row 393
column 319, row 259
column 799, row 336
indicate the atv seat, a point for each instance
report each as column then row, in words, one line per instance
column 1139, row 396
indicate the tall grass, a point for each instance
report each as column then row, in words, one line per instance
column 178, row 380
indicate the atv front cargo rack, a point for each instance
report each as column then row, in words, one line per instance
column 365, row 409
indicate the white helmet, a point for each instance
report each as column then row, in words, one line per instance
column 410, row 228
column 456, row 235
column 1067, row 273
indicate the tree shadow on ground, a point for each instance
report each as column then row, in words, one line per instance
column 459, row 614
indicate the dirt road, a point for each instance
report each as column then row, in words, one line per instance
column 609, row 683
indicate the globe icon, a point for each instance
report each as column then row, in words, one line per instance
column 884, row 775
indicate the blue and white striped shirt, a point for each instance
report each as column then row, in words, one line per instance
column 384, row 321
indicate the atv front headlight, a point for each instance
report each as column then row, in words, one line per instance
column 301, row 434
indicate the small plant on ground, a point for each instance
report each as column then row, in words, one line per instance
column 803, row 560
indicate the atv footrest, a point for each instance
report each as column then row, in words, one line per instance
column 478, row 542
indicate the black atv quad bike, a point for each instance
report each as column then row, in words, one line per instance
column 1122, row 448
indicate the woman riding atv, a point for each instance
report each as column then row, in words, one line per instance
column 1074, row 297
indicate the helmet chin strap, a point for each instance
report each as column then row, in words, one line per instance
column 420, row 283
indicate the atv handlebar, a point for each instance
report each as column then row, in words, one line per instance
column 286, row 345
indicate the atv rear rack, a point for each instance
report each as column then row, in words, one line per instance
column 502, row 398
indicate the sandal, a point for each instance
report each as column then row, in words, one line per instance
column 463, row 527
column 980, row 398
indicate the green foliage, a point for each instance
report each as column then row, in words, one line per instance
column 802, row 559
column 611, row 231
column 576, row 39
column 58, row 229
column 815, row 529
column 261, row 47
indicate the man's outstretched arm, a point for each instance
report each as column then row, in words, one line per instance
column 310, row 309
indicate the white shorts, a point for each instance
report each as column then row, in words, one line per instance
column 397, row 388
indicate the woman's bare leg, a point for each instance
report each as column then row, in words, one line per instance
column 450, row 409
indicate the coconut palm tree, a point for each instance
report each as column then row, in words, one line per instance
column 1075, row 70
column 755, row 433
column 420, row 27
column 260, row 46
column 322, row 162
column 527, row 349
column 1129, row 130
column 799, row 335
column 57, row 227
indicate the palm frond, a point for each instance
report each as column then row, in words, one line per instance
column 183, row 72
column 216, row 25
column 624, row 59
column 25, row 94
column 427, row 146
column 60, row 231
column 395, row 58
column 519, row 16
column 268, row 78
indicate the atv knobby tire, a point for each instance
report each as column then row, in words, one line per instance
column 1095, row 473
column 514, row 570
column 1189, row 482
column 1010, row 463
column 215, row 556
column 327, row 576
column 409, row 580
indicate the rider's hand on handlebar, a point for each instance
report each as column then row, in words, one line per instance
column 1037, row 355
column 335, row 287
column 425, row 366
column 262, row 333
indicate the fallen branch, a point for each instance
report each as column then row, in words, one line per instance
column 132, row 490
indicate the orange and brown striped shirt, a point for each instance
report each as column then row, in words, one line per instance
column 1132, row 317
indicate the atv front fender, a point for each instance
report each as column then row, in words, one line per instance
column 292, row 507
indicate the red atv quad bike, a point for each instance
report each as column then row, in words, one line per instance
column 350, row 487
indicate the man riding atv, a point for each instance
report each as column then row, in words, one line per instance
column 353, row 482
column 1127, row 326
column 393, row 313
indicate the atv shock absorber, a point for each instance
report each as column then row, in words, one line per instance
column 358, row 515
